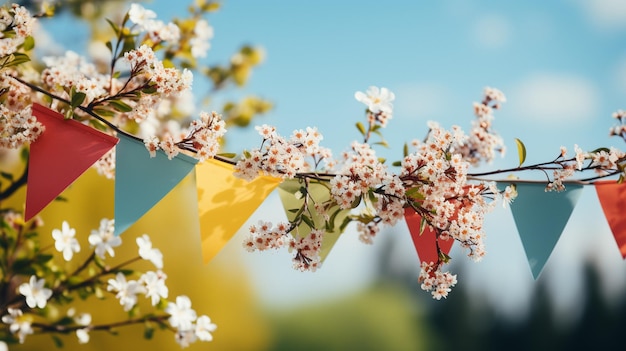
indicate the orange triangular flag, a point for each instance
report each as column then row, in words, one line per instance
column 612, row 196
column 426, row 241
column 65, row 150
column 225, row 203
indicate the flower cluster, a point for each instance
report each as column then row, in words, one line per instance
column 72, row 70
column 23, row 307
column 16, row 26
column 18, row 128
column 433, row 181
column 145, row 21
column 438, row 283
column 280, row 157
column 203, row 137
column 482, row 143
column 440, row 193
column 167, row 81
column 264, row 236
column 619, row 129
column 603, row 161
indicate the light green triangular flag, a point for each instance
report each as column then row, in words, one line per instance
column 287, row 192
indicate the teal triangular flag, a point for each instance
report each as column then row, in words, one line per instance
column 141, row 181
column 540, row 218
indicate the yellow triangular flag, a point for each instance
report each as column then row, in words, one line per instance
column 225, row 203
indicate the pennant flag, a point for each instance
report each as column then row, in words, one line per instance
column 141, row 181
column 612, row 198
column 287, row 191
column 540, row 218
column 225, row 203
column 64, row 151
column 426, row 241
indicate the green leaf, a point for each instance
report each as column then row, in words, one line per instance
column 103, row 112
column 356, row 202
column 148, row 332
column 98, row 124
column 405, row 150
column 443, row 257
column 397, row 163
column 331, row 220
column 114, row 26
column 57, row 341
column 414, row 193
column 607, row 150
column 43, row 258
column 382, row 143
column 24, row 154
column 361, row 128
column 521, row 151
column 228, row 154
column 6, row 175
column 77, row 99
column 308, row 222
column 29, row 43
column 149, row 90
column 16, row 59
column 120, row 106
column 345, row 223
column 66, row 320
column 423, row 224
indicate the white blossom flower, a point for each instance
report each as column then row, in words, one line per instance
column 154, row 283
column 200, row 42
column 104, row 238
column 141, row 16
column 65, row 241
column 181, row 314
column 148, row 253
column 126, row 290
column 83, row 319
column 35, row 293
column 18, row 323
column 376, row 99
column 82, row 335
column 185, row 337
column 204, row 328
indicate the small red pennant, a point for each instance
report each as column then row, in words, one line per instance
column 426, row 242
column 612, row 197
column 64, row 151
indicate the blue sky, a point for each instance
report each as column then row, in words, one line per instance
column 561, row 64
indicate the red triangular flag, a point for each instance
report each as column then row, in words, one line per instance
column 612, row 197
column 426, row 242
column 65, row 150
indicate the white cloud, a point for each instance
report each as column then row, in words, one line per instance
column 606, row 14
column 554, row 99
column 424, row 100
column 492, row 31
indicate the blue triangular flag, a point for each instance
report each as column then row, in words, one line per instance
column 141, row 181
column 540, row 218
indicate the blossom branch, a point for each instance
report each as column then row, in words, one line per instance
column 65, row 329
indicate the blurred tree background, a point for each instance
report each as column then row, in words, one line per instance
column 391, row 314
